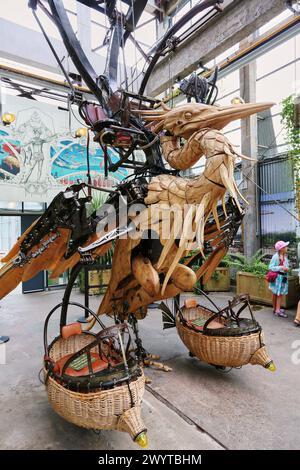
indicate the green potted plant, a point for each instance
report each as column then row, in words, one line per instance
column 96, row 276
column 98, row 199
column 220, row 280
column 99, row 277
column 105, row 273
column 251, row 279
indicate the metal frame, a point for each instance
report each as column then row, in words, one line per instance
column 76, row 52
column 102, row 87
column 114, row 103
column 171, row 32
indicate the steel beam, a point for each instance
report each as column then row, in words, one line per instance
column 239, row 19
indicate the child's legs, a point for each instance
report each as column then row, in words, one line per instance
column 274, row 298
column 278, row 302
column 298, row 312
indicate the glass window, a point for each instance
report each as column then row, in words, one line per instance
column 226, row 99
column 271, row 135
column 10, row 206
column 147, row 33
column 97, row 36
column 275, row 21
column 34, row 206
column 229, row 52
column 10, row 230
column 70, row 5
column 277, row 57
column 297, row 39
column 279, row 131
column 228, row 84
column 18, row 12
column 179, row 12
column 277, row 86
column 297, row 75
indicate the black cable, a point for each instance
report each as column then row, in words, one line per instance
column 89, row 180
column 201, row 292
column 39, row 376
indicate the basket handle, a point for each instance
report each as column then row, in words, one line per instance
column 245, row 300
column 67, row 294
column 201, row 292
column 76, row 304
column 108, row 333
column 213, row 317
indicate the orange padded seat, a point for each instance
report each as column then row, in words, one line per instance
column 98, row 364
column 70, row 330
column 214, row 325
column 190, row 303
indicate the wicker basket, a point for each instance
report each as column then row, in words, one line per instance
column 221, row 349
column 115, row 408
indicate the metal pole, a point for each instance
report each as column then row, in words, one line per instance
column 83, row 319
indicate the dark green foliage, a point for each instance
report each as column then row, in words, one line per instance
column 254, row 265
column 106, row 259
column 293, row 138
column 269, row 239
column 293, row 132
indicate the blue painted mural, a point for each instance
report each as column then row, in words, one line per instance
column 9, row 154
column 69, row 158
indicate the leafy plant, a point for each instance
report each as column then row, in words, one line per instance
column 215, row 276
column 293, row 131
column 226, row 261
column 288, row 119
column 254, row 265
column 106, row 259
column 98, row 199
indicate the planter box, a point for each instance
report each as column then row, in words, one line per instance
column 93, row 281
column 221, row 284
column 96, row 277
column 258, row 289
column 104, row 278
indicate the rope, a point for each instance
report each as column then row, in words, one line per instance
column 109, row 40
column 119, row 39
column 123, row 53
column 83, row 124
column 134, row 35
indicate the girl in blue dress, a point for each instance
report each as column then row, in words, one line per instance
column 279, row 264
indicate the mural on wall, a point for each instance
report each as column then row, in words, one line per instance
column 68, row 162
column 39, row 156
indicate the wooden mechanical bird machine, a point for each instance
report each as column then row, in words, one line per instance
column 96, row 380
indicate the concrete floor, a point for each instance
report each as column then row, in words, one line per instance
column 193, row 407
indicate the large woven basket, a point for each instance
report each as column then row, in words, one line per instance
column 115, row 408
column 226, row 351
